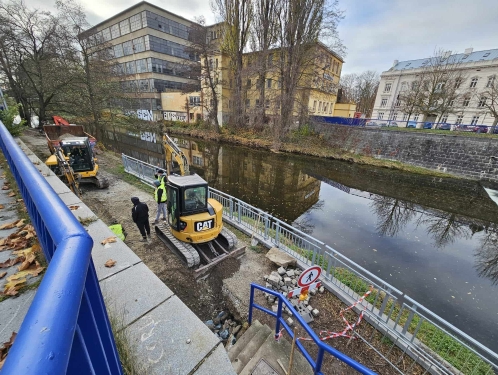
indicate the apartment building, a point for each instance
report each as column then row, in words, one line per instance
column 478, row 73
column 148, row 45
column 317, row 89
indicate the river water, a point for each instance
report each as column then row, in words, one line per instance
column 434, row 239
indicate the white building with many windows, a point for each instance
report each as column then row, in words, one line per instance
column 479, row 71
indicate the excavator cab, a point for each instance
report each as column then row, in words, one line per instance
column 191, row 215
column 79, row 152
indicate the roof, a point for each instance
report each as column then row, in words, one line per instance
column 191, row 180
column 486, row 55
column 133, row 7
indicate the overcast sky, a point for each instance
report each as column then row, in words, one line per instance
column 375, row 32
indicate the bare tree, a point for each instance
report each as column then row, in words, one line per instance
column 237, row 16
column 208, row 71
column 488, row 100
column 42, row 56
column 360, row 89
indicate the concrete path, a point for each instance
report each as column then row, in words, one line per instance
column 165, row 334
column 12, row 309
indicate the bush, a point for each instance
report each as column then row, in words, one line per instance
column 8, row 117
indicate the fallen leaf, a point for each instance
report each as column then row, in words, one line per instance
column 108, row 240
column 8, row 225
column 73, row 208
column 4, row 349
column 1, row 206
column 20, row 223
column 11, row 262
column 13, row 285
column 110, row 263
column 2, row 274
column 27, row 262
column 5, row 187
column 19, row 200
column 11, row 194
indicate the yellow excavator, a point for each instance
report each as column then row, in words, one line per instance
column 194, row 228
column 66, row 172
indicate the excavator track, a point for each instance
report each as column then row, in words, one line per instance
column 228, row 237
column 187, row 253
column 100, row 181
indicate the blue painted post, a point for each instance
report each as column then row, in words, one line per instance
column 251, row 301
column 279, row 315
column 319, row 360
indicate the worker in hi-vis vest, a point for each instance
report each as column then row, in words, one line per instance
column 160, row 197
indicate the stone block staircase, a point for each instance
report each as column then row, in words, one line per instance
column 258, row 343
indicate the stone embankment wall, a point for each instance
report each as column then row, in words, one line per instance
column 470, row 157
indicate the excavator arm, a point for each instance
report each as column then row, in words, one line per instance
column 66, row 171
column 172, row 151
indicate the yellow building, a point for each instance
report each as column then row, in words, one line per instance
column 181, row 107
column 316, row 93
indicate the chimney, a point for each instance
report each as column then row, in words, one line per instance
column 468, row 51
column 395, row 63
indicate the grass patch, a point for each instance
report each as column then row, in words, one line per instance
column 87, row 220
column 119, row 171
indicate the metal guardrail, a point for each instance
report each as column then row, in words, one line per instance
column 423, row 337
column 66, row 329
column 322, row 347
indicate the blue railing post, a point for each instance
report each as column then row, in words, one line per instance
column 279, row 316
column 251, row 302
column 319, row 360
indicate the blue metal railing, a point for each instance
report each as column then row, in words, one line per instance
column 66, row 329
column 322, row 347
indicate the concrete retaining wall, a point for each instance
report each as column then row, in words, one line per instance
column 470, row 157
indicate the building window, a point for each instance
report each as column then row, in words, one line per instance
column 127, row 48
column 474, row 120
column 194, row 101
column 330, row 110
column 248, row 85
column 267, row 103
column 451, row 103
column 106, row 35
column 466, row 102
column 115, row 31
column 415, row 118
column 459, row 119
column 458, row 82
column 257, row 103
column 403, row 86
column 141, row 66
column 248, row 103
column 118, row 50
column 314, row 105
column 491, row 81
column 415, row 85
column 268, row 83
column 138, row 45
column 135, row 22
column 387, row 87
column 405, row 116
column 395, row 115
column 482, row 101
column 444, row 118
column 124, row 27
column 398, row 102
column 325, row 107
column 383, row 102
column 270, row 60
column 473, row 82
column 319, row 106
column 440, row 86
column 381, row 115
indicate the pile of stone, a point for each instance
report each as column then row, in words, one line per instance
column 283, row 281
column 225, row 328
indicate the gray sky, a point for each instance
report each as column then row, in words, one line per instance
column 375, row 32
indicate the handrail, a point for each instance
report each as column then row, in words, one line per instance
column 322, row 347
column 66, row 328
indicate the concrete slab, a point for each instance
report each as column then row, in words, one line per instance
column 13, row 311
column 160, row 336
column 135, row 291
column 70, row 199
column 217, row 363
column 58, row 186
column 117, row 251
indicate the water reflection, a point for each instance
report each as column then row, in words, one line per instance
column 393, row 214
column 486, row 255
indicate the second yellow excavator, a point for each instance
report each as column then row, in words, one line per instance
column 195, row 225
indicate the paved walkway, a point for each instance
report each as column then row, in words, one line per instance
column 166, row 335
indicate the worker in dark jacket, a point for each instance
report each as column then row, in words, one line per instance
column 140, row 215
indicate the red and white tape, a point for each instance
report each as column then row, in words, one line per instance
column 298, row 291
column 349, row 327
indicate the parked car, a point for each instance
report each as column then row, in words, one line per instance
column 479, row 129
column 444, row 127
column 427, row 125
column 411, row 124
column 371, row 123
